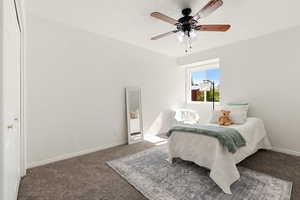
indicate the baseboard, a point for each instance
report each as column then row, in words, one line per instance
column 286, row 151
column 17, row 188
column 75, row 154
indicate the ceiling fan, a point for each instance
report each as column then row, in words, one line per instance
column 187, row 25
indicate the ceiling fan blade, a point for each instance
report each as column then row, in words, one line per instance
column 210, row 7
column 214, row 27
column 163, row 35
column 164, row 18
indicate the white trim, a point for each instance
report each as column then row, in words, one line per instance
column 200, row 63
column 197, row 66
column 23, row 136
column 286, row 151
column 72, row 155
column 17, row 189
column 204, row 102
column 75, row 154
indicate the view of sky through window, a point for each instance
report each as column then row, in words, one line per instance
column 211, row 74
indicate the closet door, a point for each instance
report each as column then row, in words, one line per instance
column 11, row 101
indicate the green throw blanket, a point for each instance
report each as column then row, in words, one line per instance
column 228, row 137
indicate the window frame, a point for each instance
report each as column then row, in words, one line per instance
column 198, row 66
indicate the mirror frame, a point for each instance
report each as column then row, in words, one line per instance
column 130, row 136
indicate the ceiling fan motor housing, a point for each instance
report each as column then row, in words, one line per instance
column 184, row 21
column 186, row 11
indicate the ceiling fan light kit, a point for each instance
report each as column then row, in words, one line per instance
column 187, row 25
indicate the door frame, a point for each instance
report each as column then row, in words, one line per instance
column 19, row 4
column 23, row 135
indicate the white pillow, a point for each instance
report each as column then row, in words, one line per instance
column 237, row 116
column 236, row 107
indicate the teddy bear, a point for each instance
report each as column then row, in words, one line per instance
column 224, row 119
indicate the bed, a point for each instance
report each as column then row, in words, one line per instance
column 208, row 152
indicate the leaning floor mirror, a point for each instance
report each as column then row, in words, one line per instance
column 134, row 115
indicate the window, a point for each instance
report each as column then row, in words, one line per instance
column 201, row 78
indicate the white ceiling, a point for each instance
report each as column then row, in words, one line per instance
column 130, row 21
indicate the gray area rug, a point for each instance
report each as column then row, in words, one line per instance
column 157, row 179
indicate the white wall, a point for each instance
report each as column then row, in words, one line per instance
column 75, row 84
column 1, row 103
column 75, row 80
column 265, row 71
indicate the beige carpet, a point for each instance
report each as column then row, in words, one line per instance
column 88, row 177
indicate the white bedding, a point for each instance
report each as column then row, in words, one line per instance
column 208, row 152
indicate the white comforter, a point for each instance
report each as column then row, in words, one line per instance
column 208, row 152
